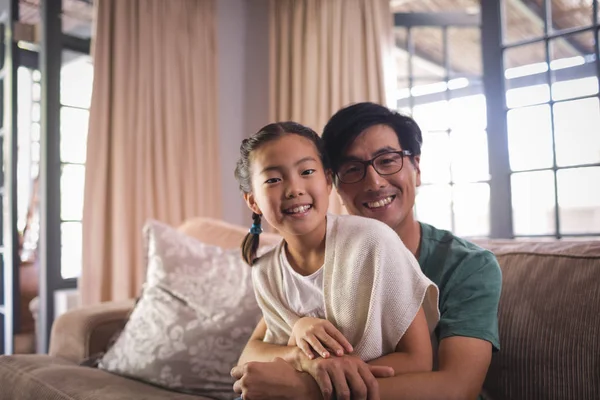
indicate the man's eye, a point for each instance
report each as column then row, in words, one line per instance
column 350, row 170
column 272, row 180
column 308, row 172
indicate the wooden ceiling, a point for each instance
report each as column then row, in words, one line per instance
column 522, row 21
column 77, row 16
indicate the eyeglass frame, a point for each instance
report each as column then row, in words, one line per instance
column 366, row 163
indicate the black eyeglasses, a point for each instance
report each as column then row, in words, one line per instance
column 384, row 164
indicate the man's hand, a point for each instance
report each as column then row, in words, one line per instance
column 320, row 336
column 276, row 380
column 348, row 376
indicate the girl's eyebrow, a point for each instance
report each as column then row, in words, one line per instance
column 279, row 167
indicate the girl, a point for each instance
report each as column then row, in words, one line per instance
column 334, row 283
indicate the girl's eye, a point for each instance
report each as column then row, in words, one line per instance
column 308, row 172
column 272, row 180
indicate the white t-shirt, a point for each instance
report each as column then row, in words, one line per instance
column 304, row 294
column 372, row 287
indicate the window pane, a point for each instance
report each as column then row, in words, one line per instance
column 429, row 53
column 575, row 88
column 573, row 67
column 73, row 134
column 435, row 158
column 403, row 94
column 525, row 60
column 525, row 76
column 527, row 96
column 71, row 192
column 76, row 78
column 71, row 239
column 432, row 116
column 472, row 209
column 35, row 132
column 468, row 113
column 530, row 138
column 577, row 132
column 571, row 14
column 433, row 205
column 579, row 200
column 469, row 156
column 533, row 203
column 401, row 51
column 519, row 25
column 35, row 112
column 464, row 51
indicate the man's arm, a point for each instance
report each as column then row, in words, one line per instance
column 257, row 350
column 463, row 365
column 413, row 352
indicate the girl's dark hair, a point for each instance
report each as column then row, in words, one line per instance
column 349, row 122
column 250, row 243
column 243, row 174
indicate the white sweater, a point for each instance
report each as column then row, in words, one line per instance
column 373, row 287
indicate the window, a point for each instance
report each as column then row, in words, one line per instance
column 75, row 97
column 76, row 87
column 553, row 119
column 440, row 87
column 552, row 116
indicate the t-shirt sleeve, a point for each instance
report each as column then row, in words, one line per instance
column 470, row 306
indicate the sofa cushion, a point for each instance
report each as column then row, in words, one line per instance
column 191, row 323
column 35, row 377
column 549, row 321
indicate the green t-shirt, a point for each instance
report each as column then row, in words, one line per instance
column 469, row 281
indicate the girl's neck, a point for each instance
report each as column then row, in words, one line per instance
column 306, row 254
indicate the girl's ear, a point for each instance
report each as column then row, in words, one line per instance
column 251, row 203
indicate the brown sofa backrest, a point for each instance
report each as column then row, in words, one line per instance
column 549, row 321
column 549, row 315
column 219, row 233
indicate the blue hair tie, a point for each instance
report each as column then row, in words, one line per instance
column 256, row 229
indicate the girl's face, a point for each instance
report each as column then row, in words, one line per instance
column 290, row 187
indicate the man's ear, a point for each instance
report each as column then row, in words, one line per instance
column 251, row 203
column 417, row 165
column 329, row 177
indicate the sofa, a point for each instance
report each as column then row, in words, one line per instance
column 549, row 320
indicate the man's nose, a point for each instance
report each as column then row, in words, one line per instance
column 373, row 181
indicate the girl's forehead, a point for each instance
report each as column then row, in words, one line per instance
column 290, row 143
column 285, row 150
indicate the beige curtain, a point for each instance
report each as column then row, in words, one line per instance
column 326, row 54
column 152, row 142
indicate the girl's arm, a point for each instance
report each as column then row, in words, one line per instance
column 257, row 350
column 413, row 352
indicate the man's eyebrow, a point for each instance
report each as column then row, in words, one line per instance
column 279, row 167
column 382, row 150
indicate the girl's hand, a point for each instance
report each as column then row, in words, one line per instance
column 320, row 336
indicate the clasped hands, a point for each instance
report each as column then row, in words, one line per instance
column 321, row 354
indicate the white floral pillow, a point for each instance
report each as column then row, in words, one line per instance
column 193, row 319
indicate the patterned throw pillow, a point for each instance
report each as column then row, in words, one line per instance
column 195, row 315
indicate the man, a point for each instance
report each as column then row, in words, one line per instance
column 360, row 140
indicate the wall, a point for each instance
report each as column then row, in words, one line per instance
column 243, row 39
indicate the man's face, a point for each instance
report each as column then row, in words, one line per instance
column 390, row 198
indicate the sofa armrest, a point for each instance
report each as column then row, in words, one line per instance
column 86, row 331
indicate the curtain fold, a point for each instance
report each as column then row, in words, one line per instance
column 326, row 54
column 153, row 139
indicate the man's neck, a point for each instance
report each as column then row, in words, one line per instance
column 410, row 233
